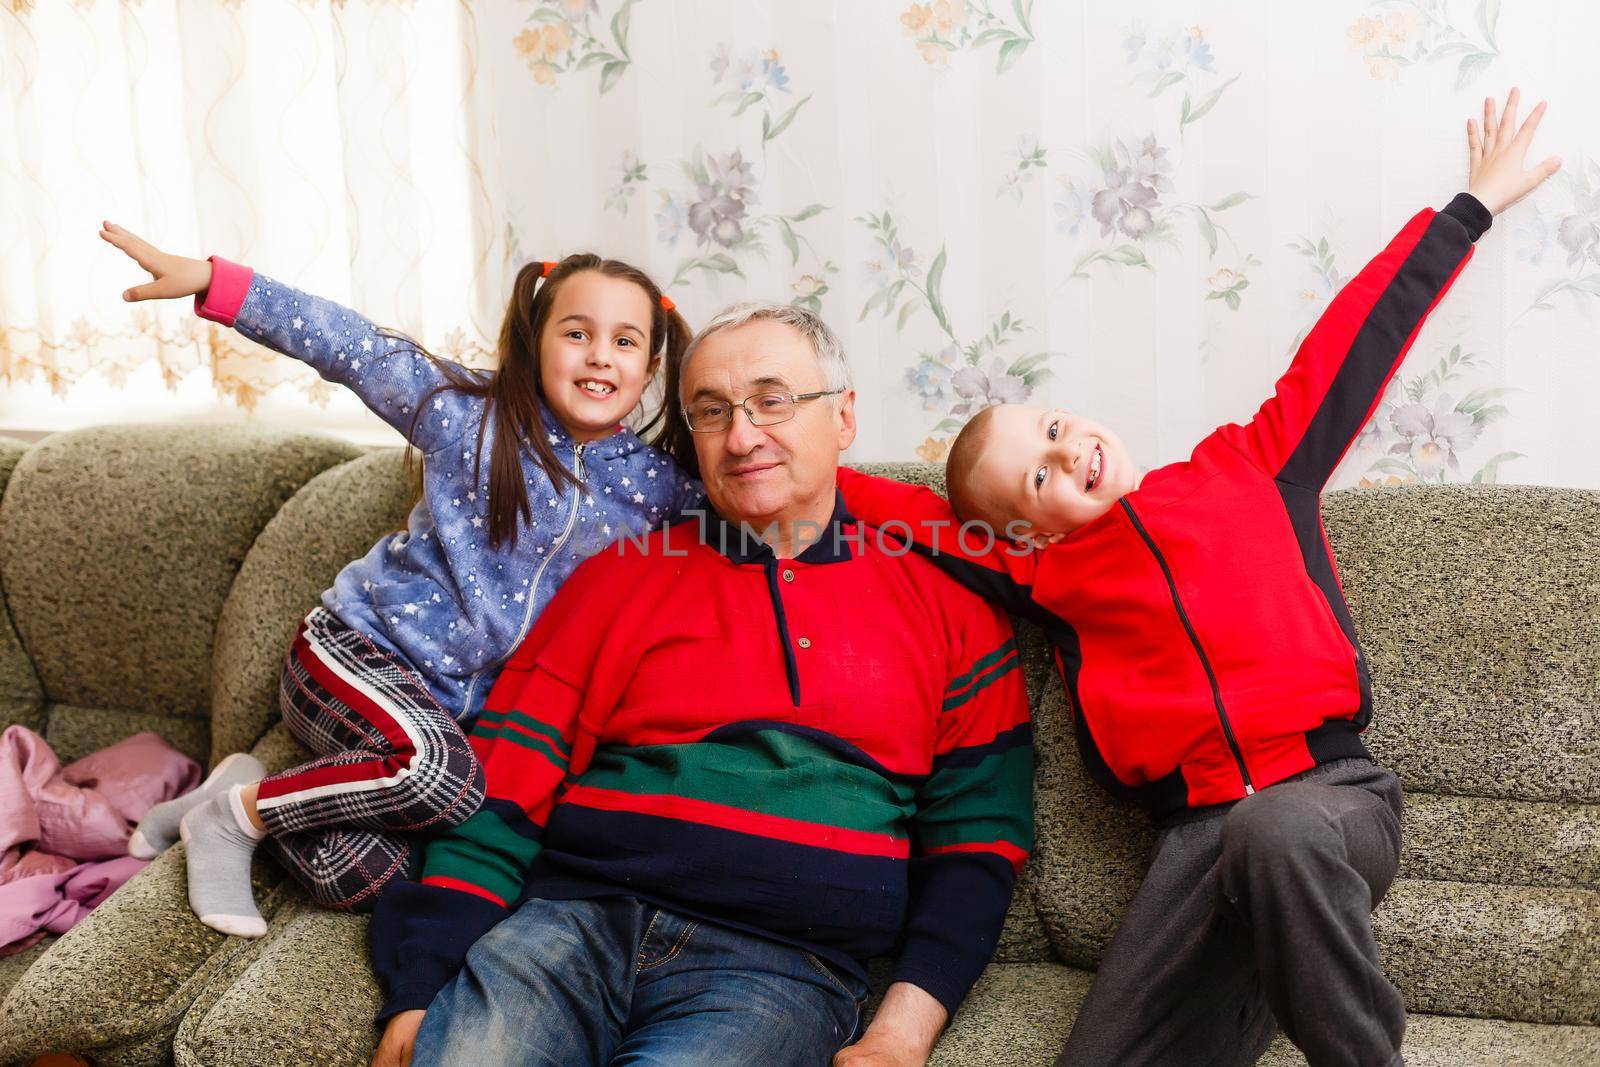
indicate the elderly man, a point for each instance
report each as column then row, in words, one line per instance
column 734, row 760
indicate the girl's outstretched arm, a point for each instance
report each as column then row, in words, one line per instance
column 388, row 372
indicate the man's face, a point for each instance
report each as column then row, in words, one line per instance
column 1053, row 469
column 762, row 474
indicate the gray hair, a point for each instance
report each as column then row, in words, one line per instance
column 824, row 342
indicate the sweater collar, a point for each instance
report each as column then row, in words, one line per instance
column 743, row 546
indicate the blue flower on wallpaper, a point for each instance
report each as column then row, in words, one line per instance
column 1187, row 49
column 749, row 71
column 1073, row 207
column 931, row 377
column 1534, row 238
column 671, row 219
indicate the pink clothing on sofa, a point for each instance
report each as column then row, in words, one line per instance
column 64, row 831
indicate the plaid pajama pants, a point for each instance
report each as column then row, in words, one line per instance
column 390, row 763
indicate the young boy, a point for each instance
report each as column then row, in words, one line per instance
column 1213, row 670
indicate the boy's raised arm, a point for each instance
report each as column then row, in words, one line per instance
column 1341, row 369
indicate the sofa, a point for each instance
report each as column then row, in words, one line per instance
column 153, row 575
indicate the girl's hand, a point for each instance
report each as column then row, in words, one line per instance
column 1495, row 170
column 399, row 1037
column 175, row 276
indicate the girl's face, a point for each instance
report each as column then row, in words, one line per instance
column 594, row 353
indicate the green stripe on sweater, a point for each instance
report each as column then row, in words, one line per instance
column 504, row 732
column 981, row 666
column 522, row 718
column 994, row 672
column 484, row 851
column 769, row 772
column 990, row 801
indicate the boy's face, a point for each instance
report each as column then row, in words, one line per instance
column 1052, row 469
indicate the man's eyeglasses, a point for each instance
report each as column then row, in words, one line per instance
column 763, row 409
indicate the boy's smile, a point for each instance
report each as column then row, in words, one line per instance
column 1052, row 469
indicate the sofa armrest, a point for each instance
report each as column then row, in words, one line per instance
column 116, row 985
column 303, row 994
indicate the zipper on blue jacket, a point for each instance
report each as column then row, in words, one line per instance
column 1194, row 639
column 533, row 587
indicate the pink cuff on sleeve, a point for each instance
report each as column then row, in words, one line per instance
column 229, row 283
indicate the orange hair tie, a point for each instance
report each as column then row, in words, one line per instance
column 667, row 304
column 548, row 266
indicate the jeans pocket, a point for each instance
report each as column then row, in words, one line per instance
column 851, row 1023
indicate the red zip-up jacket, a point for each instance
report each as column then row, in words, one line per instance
column 1199, row 625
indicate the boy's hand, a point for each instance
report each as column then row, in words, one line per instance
column 174, row 276
column 1496, row 153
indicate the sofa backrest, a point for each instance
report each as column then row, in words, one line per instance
column 1478, row 608
column 118, row 547
column 335, row 518
column 21, row 698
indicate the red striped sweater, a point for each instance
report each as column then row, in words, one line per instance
column 833, row 751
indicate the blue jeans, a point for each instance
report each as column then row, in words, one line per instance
column 617, row 982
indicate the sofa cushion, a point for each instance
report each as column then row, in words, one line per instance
column 115, row 985
column 118, row 545
column 1019, row 1015
column 13, row 967
column 1508, row 952
column 1511, row 842
column 74, row 731
column 302, row 994
column 335, row 518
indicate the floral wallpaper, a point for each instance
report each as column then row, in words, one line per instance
column 1134, row 209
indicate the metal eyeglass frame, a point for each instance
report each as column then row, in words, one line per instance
column 793, row 399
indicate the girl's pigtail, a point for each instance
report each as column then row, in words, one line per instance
column 670, row 433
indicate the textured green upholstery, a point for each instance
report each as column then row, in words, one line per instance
column 118, row 546
column 1476, row 606
column 336, row 518
column 21, row 696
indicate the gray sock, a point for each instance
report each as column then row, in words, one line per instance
column 158, row 830
column 220, row 840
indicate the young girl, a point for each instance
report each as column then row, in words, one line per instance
column 526, row 470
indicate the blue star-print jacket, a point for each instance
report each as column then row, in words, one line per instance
column 437, row 593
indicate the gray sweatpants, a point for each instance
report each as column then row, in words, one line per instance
column 1252, row 916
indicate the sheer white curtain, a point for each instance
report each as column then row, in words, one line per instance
column 345, row 147
column 1132, row 208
